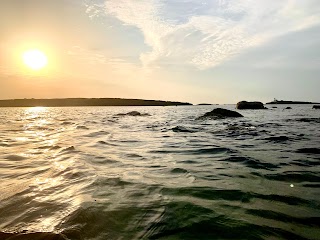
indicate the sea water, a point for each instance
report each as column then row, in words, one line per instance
column 87, row 173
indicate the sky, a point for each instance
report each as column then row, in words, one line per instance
column 198, row 51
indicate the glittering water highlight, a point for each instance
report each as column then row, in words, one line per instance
column 88, row 173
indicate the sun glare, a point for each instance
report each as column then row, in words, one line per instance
column 35, row 59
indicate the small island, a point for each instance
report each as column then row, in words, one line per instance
column 77, row 102
column 275, row 101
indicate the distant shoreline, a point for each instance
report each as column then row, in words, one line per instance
column 84, row 102
column 290, row 102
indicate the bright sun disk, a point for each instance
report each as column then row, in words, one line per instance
column 35, row 59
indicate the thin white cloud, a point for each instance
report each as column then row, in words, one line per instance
column 208, row 33
column 99, row 61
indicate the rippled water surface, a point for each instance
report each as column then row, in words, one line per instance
column 86, row 173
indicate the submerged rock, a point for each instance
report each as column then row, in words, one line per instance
column 220, row 113
column 250, row 105
column 316, row 107
column 288, row 108
column 133, row 113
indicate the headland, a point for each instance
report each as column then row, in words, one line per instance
column 77, row 102
column 290, row 102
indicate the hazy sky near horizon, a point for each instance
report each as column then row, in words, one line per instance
column 214, row 51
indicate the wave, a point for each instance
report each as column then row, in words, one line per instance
column 32, row 236
column 80, row 173
column 309, row 150
column 250, row 162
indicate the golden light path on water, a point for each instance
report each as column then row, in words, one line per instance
column 42, row 182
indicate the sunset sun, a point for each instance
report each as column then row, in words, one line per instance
column 35, row 59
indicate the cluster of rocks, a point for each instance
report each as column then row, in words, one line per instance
column 221, row 113
column 218, row 113
column 259, row 105
column 250, row 105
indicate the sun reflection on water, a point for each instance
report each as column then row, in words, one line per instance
column 37, row 122
column 48, row 178
column 35, row 111
column 44, row 183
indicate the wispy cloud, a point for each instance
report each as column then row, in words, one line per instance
column 207, row 33
column 94, row 9
column 96, row 63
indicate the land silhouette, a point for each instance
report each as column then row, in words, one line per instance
column 72, row 102
column 289, row 102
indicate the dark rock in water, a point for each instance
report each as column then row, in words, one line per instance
column 278, row 139
column 316, row 107
column 220, row 113
column 309, row 150
column 133, row 113
column 204, row 104
column 250, row 105
column 288, row 108
column 274, row 107
column 181, row 129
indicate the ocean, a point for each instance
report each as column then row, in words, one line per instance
column 88, row 173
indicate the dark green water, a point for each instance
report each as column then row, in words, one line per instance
column 85, row 173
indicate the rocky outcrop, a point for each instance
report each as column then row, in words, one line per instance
column 220, row 113
column 316, row 107
column 250, row 105
column 288, row 108
column 133, row 113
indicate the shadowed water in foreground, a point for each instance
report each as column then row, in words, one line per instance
column 99, row 173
